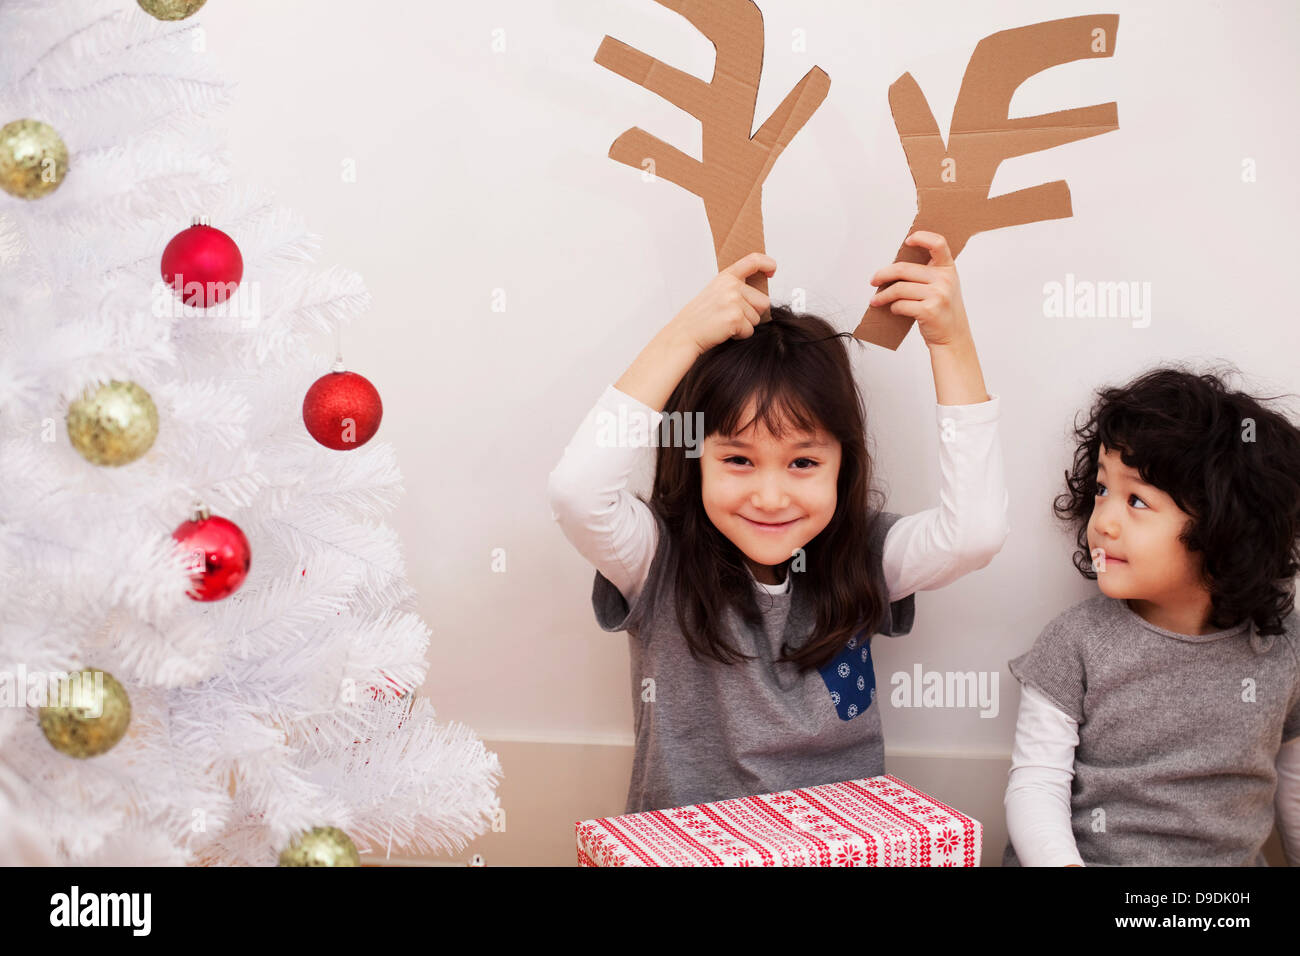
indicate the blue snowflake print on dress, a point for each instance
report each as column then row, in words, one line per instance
column 850, row 677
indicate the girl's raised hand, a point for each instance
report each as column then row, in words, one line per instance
column 930, row 294
column 728, row 307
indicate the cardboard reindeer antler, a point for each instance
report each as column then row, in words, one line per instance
column 729, row 176
column 952, row 184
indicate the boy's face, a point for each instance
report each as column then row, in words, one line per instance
column 769, row 497
column 1135, row 527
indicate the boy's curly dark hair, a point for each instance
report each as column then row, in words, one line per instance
column 1227, row 461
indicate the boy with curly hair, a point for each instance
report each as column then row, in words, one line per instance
column 1159, row 722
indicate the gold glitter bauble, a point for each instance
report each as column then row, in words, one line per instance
column 321, row 846
column 98, row 714
column 171, row 9
column 113, row 424
column 33, row 159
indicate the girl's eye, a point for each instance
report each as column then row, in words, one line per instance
column 1101, row 488
column 729, row 460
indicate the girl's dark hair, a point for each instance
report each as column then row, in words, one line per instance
column 1227, row 461
column 796, row 369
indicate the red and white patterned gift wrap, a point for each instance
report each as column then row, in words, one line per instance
column 875, row 821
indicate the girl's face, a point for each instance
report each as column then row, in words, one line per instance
column 769, row 497
column 1135, row 527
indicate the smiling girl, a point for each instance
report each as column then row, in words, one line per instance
column 753, row 579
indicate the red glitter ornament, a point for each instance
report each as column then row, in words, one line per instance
column 342, row 410
column 202, row 265
column 219, row 555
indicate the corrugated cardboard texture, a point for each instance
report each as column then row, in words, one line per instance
column 729, row 176
column 952, row 182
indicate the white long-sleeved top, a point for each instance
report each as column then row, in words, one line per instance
column 1037, row 800
column 616, row 532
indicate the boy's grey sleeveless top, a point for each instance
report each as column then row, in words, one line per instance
column 1178, row 733
column 709, row 731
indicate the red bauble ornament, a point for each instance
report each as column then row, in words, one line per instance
column 342, row 410
column 219, row 555
column 202, row 265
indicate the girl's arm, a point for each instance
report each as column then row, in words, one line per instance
column 662, row 364
column 931, row 294
column 932, row 548
column 1038, row 787
column 587, row 490
column 727, row 308
column 1287, row 802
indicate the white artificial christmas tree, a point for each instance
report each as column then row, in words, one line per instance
column 289, row 704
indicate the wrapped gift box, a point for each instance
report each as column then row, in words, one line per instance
column 875, row 821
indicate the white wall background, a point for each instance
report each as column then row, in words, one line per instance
column 480, row 170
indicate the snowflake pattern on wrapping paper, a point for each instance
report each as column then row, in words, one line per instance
column 849, row 856
column 900, row 848
column 947, row 840
column 596, row 840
